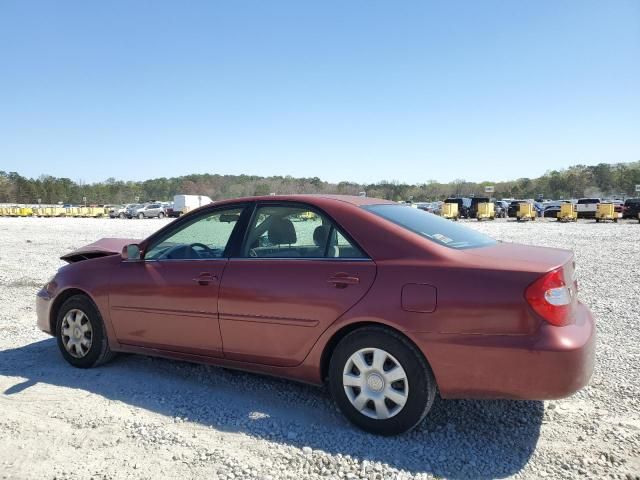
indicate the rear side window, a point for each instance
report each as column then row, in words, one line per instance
column 434, row 228
column 282, row 231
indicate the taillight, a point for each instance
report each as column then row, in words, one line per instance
column 551, row 298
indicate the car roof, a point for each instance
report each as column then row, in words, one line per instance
column 310, row 198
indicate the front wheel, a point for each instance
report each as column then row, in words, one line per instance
column 80, row 333
column 161, row 215
column 141, row 216
column 381, row 381
column 122, row 215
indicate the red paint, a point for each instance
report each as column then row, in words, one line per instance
column 464, row 309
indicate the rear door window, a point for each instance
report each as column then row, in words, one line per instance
column 283, row 231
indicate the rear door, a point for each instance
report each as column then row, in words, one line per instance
column 295, row 274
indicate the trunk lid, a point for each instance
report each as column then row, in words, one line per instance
column 518, row 257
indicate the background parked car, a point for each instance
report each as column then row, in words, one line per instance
column 501, row 207
column 512, row 211
column 539, row 207
column 586, row 207
column 464, row 204
column 150, row 210
column 119, row 211
column 631, row 208
column 431, row 207
column 552, row 209
column 132, row 208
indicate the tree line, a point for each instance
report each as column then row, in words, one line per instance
column 618, row 180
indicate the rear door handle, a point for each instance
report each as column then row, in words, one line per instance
column 342, row 280
column 205, row 278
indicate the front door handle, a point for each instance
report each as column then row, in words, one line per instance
column 205, row 278
column 342, row 280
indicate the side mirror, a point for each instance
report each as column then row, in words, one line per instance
column 131, row 252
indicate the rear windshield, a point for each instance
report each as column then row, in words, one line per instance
column 434, row 228
column 583, row 201
column 632, row 201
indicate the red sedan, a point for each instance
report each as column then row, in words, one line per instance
column 387, row 303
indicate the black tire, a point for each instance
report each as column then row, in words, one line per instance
column 161, row 215
column 422, row 386
column 122, row 215
column 99, row 352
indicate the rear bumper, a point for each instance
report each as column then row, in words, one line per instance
column 43, row 310
column 553, row 363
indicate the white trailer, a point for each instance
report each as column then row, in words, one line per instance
column 185, row 203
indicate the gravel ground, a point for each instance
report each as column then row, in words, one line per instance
column 139, row 417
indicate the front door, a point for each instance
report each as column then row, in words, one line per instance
column 297, row 273
column 169, row 300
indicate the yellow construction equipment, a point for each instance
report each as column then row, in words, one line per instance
column 606, row 211
column 72, row 212
column 307, row 216
column 450, row 210
column 57, row 211
column 526, row 212
column 95, row 212
column 486, row 211
column 25, row 211
column 568, row 213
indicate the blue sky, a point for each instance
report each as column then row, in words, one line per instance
column 345, row 90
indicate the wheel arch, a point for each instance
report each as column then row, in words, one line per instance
column 343, row 331
column 59, row 301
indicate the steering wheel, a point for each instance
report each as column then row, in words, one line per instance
column 208, row 250
column 253, row 253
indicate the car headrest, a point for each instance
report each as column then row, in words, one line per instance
column 281, row 232
column 321, row 235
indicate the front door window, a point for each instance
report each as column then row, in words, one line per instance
column 205, row 238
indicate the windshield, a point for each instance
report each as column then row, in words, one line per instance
column 434, row 228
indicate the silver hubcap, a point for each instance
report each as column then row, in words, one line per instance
column 375, row 383
column 77, row 334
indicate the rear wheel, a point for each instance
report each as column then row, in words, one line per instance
column 141, row 216
column 80, row 333
column 381, row 381
column 161, row 215
column 122, row 215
